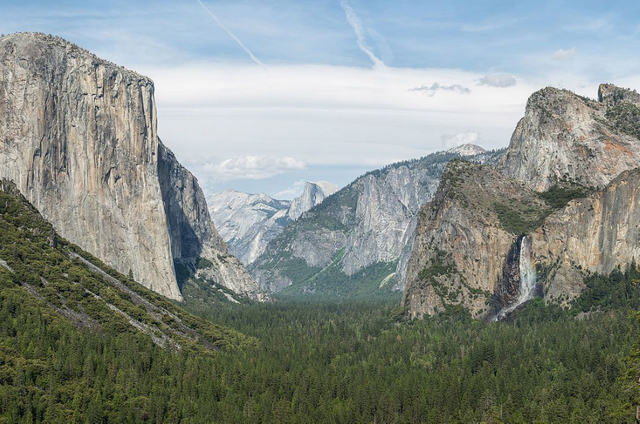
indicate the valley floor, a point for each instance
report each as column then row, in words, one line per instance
column 334, row 362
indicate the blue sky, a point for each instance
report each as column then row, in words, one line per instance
column 343, row 86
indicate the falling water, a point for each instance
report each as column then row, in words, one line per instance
column 527, row 270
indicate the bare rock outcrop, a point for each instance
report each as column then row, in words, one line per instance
column 78, row 136
column 469, row 240
column 595, row 234
column 563, row 136
column 361, row 231
column 248, row 222
column 464, row 239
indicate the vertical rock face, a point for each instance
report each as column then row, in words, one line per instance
column 248, row 222
column 362, row 227
column 312, row 195
column 567, row 137
column 470, row 237
column 78, row 137
column 466, row 248
column 594, row 234
column 193, row 234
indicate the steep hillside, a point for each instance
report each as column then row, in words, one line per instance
column 248, row 222
column 492, row 258
column 43, row 270
column 464, row 239
column 78, row 136
column 563, row 136
column 356, row 237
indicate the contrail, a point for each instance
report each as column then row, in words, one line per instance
column 356, row 24
column 232, row 35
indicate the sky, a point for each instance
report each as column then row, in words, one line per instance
column 260, row 96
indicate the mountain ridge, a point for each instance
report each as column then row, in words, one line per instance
column 575, row 219
column 247, row 222
column 360, row 230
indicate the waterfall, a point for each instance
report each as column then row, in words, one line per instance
column 527, row 272
column 528, row 277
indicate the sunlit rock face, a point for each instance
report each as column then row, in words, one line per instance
column 78, row 135
column 248, row 222
column 563, row 136
column 369, row 222
column 493, row 238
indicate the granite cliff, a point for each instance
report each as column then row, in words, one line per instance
column 595, row 234
column 563, row 136
column 248, row 222
column 312, row 195
column 352, row 243
column 561, row 205
column 78, row 136
column 464, row 238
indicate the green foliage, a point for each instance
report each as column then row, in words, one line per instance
column 519, row 218
column 201, row 292
column 618, row 291
column 563, row 192
column 204, row 263
column 437, row 267
column 332, row 283
column 356, row 362
column 86, row 291
column 625, row 117
column 338, row 361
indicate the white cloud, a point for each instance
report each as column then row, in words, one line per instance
column 497, row 80
column 451, row 141
column 331, row 117
column 435, row 87
column 293, row 191
column 563, row 54
column 250, row 167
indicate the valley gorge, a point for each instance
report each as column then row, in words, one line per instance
column 463, row 286
column 355, row 242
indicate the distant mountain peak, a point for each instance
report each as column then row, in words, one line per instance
column 249, row 221
column 467, row 150
column 312, row 195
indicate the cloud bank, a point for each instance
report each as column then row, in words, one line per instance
column 435, row 87
column 497, row 80
column 250, row 167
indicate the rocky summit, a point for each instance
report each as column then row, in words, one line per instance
column 248, row 222
column 560, row 206
column 563, row 136
column 78, row 136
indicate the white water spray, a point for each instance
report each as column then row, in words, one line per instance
column 527, row 272
column 528, row 277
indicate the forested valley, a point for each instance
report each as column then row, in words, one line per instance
column 342, row 362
